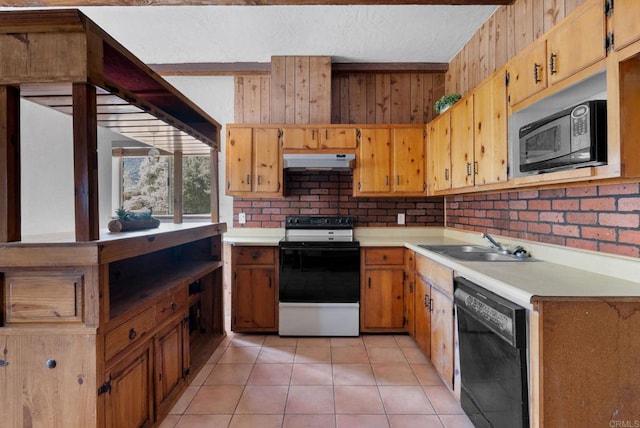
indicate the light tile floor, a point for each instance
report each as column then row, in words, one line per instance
column 268, row 381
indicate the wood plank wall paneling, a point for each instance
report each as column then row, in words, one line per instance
column 385, row 97
column 300, row 89
column 509, row 30
column 252, row 98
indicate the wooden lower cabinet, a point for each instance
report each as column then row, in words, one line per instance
column 381, row 290
column 254, row 289
column 409, row 291
column 423, row 316
column 434, row 315
column 129, row 400
column 122, row 349
column 171, row 352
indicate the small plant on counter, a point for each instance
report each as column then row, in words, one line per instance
column 445, row 102
column 133, row 220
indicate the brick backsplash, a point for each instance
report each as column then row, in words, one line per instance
column 599, row 218
column 330, row 193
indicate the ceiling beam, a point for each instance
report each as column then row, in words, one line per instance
column 78, row 3
column 264, row 68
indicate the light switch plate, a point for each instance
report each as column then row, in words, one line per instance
column 400, row 218
column 242, row 218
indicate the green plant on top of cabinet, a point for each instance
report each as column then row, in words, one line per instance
column 390, row 161
column 254, row 289
column 253, row 162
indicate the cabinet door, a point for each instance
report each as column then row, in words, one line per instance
column 442, row 335
column 267, row 160
column 383, row 299
column 373, row 164
column 36, row 393
column 462, row 161
column 577, row 43
column 490, row 139
column 626, row 22
column 423, row 315
column 254, row 298
column 129, row 403
column 438, row 153
column 408, row 160
column 338, row 138
column 169, row 361
column 528, row 72
column 238, row 159
column 300, row 138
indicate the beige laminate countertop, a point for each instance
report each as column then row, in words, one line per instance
column 520, row 282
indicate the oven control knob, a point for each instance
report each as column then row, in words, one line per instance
column 326, row 220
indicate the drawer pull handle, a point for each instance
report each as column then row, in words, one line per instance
column 173, row 306
column 132, row 334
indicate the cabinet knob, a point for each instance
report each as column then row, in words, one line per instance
column 173, row 306
column 4, row 363
column 51, row 363
column 132, row 334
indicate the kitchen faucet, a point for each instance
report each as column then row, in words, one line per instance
column 517, row 251
column 493, row 242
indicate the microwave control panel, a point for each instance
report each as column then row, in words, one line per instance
column 580, row 138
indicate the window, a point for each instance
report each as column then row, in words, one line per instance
column 147, row 183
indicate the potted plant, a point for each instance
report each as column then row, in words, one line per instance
column 445, row 102
column 131, row 220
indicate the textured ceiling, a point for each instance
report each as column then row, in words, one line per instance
column 192, row 34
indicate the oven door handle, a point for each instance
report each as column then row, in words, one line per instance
column 303, row 248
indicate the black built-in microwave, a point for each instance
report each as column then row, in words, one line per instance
column 573, row 138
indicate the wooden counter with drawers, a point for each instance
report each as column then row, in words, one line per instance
column 107, row 333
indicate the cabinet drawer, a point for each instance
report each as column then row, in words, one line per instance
column 254, row 256
column 171, row 304
column 384, row 256
column 435, row 274
column 130, row 332
column 39, row 297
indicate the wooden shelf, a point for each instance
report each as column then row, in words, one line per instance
column 146, row 285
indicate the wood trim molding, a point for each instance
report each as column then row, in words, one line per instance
column 389, row 67
column 78, row 3
column 264, row 68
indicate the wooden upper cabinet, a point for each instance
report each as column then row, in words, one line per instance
column 528, row 72
column 391, row 162
column 409, row 175
column 439, row 153
column 626, row 22
column 253, row 162
column 239, row 164
column 578, row 42
column 373, row 163
column 461, row 134
column 337, row 138
column 319, row 138
column 300, row 138
column 490, row 134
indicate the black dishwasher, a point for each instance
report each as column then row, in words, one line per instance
column 492, row 335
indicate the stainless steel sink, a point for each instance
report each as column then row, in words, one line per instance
column 474, row 253
column 457, row 248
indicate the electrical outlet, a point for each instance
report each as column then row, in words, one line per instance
column 400, row 218
column 242, row 218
